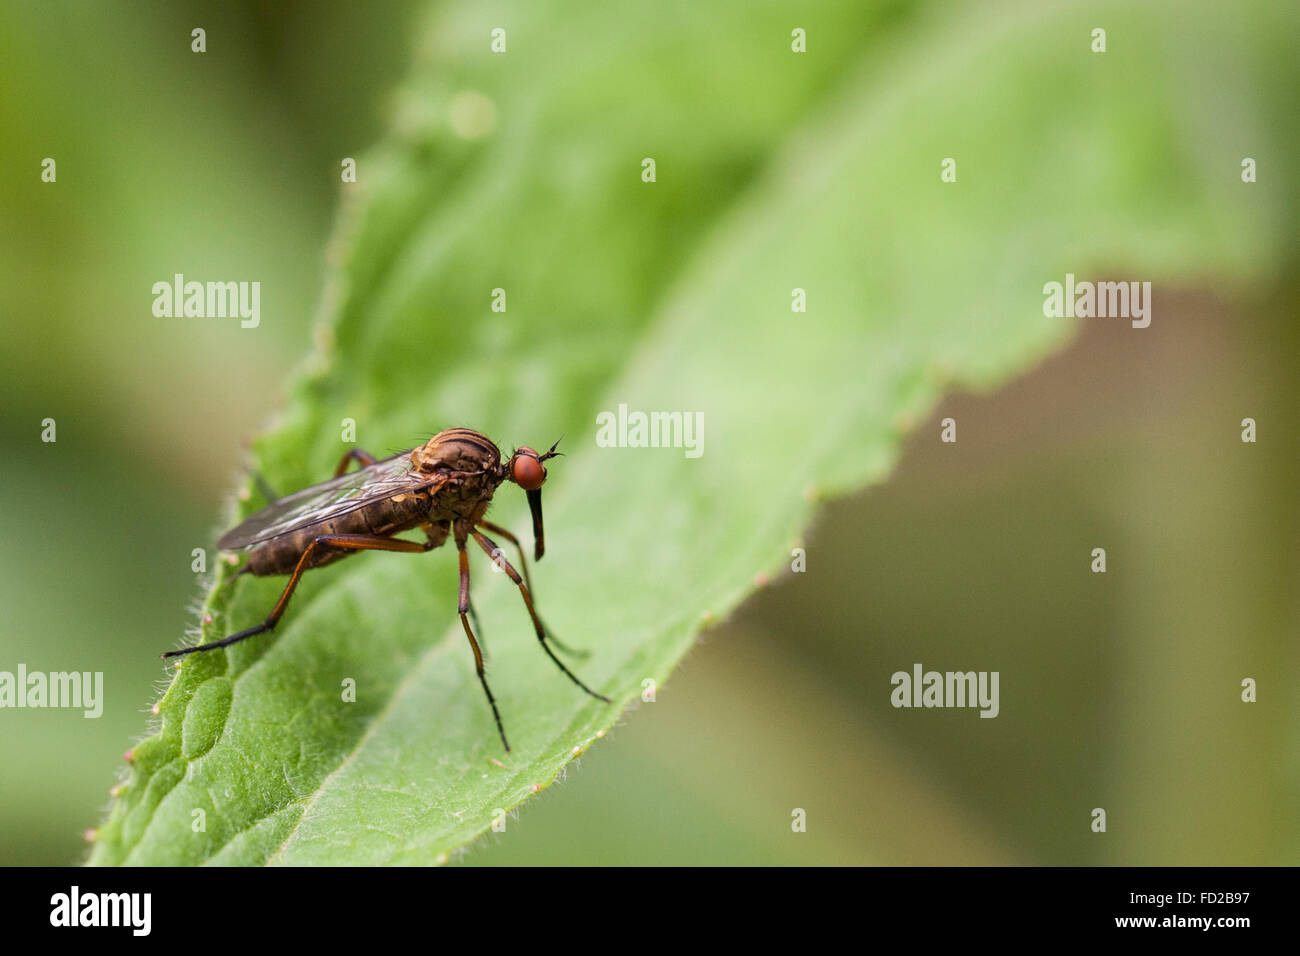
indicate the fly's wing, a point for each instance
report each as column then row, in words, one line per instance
column 345, row 493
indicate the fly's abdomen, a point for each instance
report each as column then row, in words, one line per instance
column 280, row 555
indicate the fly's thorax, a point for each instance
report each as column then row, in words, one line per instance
column 457, row 450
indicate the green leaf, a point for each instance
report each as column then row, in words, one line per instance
column 775, row 171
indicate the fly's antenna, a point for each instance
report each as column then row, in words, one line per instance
column 552, row 453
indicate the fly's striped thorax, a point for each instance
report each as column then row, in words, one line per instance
column 457, row 450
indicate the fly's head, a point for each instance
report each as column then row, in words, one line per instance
column 526, row 469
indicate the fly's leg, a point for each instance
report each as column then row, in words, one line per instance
column 463, row 608
column 473, row 616
column 495, row 553
column 349, row 542
column 269, row 493
column 437, row 535
column 364, row 458
column 523, row 561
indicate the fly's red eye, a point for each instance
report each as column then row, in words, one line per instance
column 527, row 471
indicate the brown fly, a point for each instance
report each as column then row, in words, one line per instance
column 443, row 487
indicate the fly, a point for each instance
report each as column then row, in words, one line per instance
column 443, row 488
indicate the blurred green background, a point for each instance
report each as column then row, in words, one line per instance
column 972, row 556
